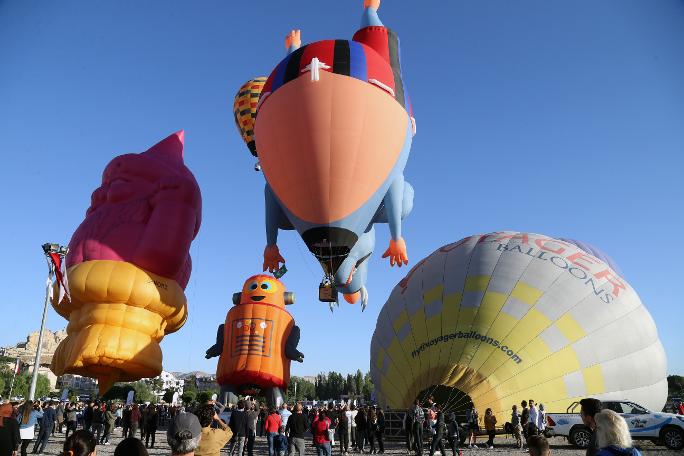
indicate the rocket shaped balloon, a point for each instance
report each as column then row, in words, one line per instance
column 128, row 265
column 333, row 131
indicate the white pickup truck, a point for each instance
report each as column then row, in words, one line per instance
column 661, row 428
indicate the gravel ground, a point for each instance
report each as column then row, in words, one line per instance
column 559, row 446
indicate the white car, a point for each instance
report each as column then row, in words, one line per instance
column 661, row 428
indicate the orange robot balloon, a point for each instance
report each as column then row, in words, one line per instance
column 257, row 342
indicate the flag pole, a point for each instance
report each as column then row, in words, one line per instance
column 49, row 250
column 17, row 365
column 39, row 349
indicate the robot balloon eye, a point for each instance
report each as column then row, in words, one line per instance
column 253, row 286
column 265, row 286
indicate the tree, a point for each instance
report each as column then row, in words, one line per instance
column 305, row 390
column 155, row 384
column 350, row 385
column 675, row 385
column 22, row 383
column 188, row 397
column 168, row 395
column 368, row 387
column 358, row 382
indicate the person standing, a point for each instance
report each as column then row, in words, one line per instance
column 96, row 422
column 27, row 419
column 331, row 414
column 532, row 421
column 125, row 421
column 252, row 417
column 109, row 421
column 407, row 424
column 273, row 423
column 184, row 434
column 343, row 430
column 151, row 424
column 60, row 417
column 612, row 435
column 141, row 422
column 361, row 429
column 452, row 435
column 135, row 420
column 352, row 426
column 517, row 427
column 438, row 434
column 88, row 416
column 280, row 442
column 262, row 421
column 490, row 427
column 381, row 430
column 284, row 413
column 297, row 425
column 371, row 429
column 524, row 418
column 319, row 429
column 417, row 418
column 473, row 427
column 238, row 424
column 47, row 426
column 541, row 419
column 71, row 419
column 589, row 407
column 10, row 439
column 213, row 439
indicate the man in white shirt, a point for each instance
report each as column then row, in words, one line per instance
column 534, row 417
column 352, row 424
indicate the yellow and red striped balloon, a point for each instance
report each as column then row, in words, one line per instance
column 245, row 108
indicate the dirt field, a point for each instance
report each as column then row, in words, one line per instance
column 559, row 446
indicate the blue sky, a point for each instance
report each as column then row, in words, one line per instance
column 562, row 118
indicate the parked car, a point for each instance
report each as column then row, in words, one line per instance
column 659, row 427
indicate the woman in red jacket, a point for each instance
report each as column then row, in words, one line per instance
column 321, row 438
column 273, row 423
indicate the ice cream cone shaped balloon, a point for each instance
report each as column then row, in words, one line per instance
column 128, row 266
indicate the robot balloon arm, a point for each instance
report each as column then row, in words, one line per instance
column 217, row 348
column 291, row 351
column 272, row 257
column 393, row 209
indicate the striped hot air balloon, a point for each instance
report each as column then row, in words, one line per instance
column 509, row 316
column 245, row 108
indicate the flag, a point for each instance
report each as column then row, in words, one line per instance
column 17, row 367
column 60, row 273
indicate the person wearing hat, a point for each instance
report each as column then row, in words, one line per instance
column 184, row 434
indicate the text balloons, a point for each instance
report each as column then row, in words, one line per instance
column 509, row 316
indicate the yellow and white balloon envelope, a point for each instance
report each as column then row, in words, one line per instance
column 509, row 316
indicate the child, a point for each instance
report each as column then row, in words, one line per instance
column 280, row 442
column 517, row 428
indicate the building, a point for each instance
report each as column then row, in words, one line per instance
column 170, row 381
column 77, row 384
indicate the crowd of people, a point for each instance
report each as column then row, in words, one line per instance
column 199, row 430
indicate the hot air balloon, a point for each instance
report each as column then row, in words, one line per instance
column 333, row 129
column 508, row 316
column 128, row 265
column 245, row 108
column 256, row 342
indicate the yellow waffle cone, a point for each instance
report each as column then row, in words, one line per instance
column 118, row 314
